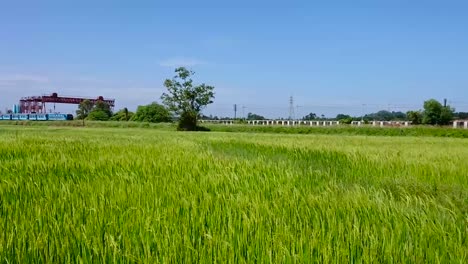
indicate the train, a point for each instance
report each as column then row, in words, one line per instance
column 36, row 117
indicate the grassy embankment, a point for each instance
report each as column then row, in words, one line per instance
column 332, row 130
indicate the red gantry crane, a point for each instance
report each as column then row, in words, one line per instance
column 37, row 104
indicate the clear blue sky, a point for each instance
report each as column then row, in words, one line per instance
column 333, row 56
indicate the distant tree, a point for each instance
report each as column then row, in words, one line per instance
column 342, row 116
column 399, row 116
column 185, row 99
column 415, row 117
column 101, row 111
column 446, row 115
column 122, row 115
column 102, row 106
column 98, row 115
column 84, row 109
column 461, row 115
column 436, row 114
column 310, row 116
column 385, row 115
column 252, row 116
column 432, row 111
column 344, row 119
column 154, row 113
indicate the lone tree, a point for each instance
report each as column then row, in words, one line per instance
column 84, row 109
column 185, row 99
column 436, row 114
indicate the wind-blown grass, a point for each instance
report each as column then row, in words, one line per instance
column 139, row 195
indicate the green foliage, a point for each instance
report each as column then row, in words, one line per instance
column 185, row 99
column 153, row 113
column 461, row 115
column 103, row 107
column 446, row 115
column 122, row 115
column 252, row 116
column 310, row 116
column 344, row 119
column 138, row 196
column 98, row 115
column 432, row 111
column 415, row 117
column 342, row 116
column 84, row 109
column 97, row 112
column 384, row 115
column 436, row 114
column 187, row 121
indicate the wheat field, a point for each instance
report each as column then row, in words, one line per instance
column 136, row 195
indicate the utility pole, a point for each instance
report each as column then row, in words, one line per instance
column 291, row 108
column 235, row 111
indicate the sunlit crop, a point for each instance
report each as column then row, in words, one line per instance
column 141, row 195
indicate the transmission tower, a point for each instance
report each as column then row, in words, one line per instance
column 291, row 108
column 235, row 111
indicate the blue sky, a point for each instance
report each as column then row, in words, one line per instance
column 333, row 56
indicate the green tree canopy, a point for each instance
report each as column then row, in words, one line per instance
column 461, row 115
column 344, row 119
column 122, row 115
column 342, row 116
column 101, row 111
column 98, row 115
column 446, row 115
column 252, row 116
column 436, row 114
column 310, row 116
column 84, row 109
column 153, row 112
column 185, row 99
column 415, row 117
column 385, row 115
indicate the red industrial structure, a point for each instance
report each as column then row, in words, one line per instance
column 37, row 104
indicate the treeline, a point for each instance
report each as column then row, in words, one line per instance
column 433, row 113
column 153, row 113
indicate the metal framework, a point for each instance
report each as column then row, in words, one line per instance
column 37, row 104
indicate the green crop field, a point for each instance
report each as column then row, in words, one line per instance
column 153, row 196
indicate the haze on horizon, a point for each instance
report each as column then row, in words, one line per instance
column 333, row 57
